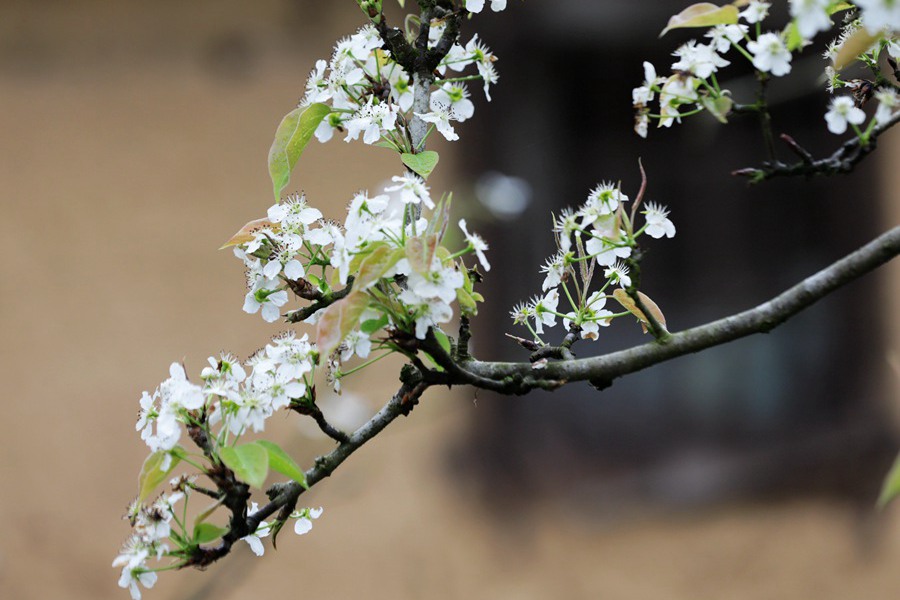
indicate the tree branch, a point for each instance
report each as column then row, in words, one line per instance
column 843, row 160
column 519, row 378
column 284, row 496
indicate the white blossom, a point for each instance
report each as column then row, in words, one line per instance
column 841, row 112
column 770, row 55
column 476, row 243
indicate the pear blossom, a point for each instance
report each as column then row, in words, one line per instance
column 605, row 250
column 412, row 190
column 643, row 94
column 543, row 310
column 305, row 518
column 555, row 268
column 294, row 213
column 601, row 201
column 267, row 297
column 484, row 62
column 698, row 59
column 841, row 112
column 658, row 223
column 565, row 226
column 723, row 37
column 618, row 273
column 476, row 6
column 439, row 282
column 878, row 15
column 888, row 102
column 678, row 89
column 254, row 540
column 477, row 244
column 811, row 16
column 372, row 120
column 133, row 559
column 456, row 98
column 770, row 55
column 756, row 11
column 357, row 343
column 440, row 117
column 427, row 312
column 593, row 316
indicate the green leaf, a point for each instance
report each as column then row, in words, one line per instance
column 370, row 326
column 422, row 164
column 702, row 14
column 432, row 361
column 293, row 134
column 718, row 107
column 274, row 529
column 442, row 340
column 839, row 7
column 466, row 302
column 250, row 462
column 338, row 320
column 152, row 473
column 792, row 38
column 891, row 487
column 205, row 533
column 280, row 461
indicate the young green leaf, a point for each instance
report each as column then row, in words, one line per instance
column 702, row 14
column 422, row 164
column 792, row 38
column 280, row 461
column 442, row 340
column 205, row 533
column 717, row 107
column 152, row 473
column 293, row 134
column 370, row 326
column 891, row 487
column 250, row 462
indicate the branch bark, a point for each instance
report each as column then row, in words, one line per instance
column 520, row 378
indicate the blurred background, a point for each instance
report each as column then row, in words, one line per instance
column 133, row 141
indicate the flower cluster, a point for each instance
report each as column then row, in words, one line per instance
column 693, row 86
column 846, row 111
column 598, row 233
column 155, row 524
column 228, row 397
column 382, row 251
column 371, row 95
column 232, row 399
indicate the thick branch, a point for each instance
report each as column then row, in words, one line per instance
column 519, row 378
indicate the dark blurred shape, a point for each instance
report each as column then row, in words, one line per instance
column 231, row 55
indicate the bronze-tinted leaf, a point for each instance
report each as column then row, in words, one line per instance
column 245, row 234
column 628, row 304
